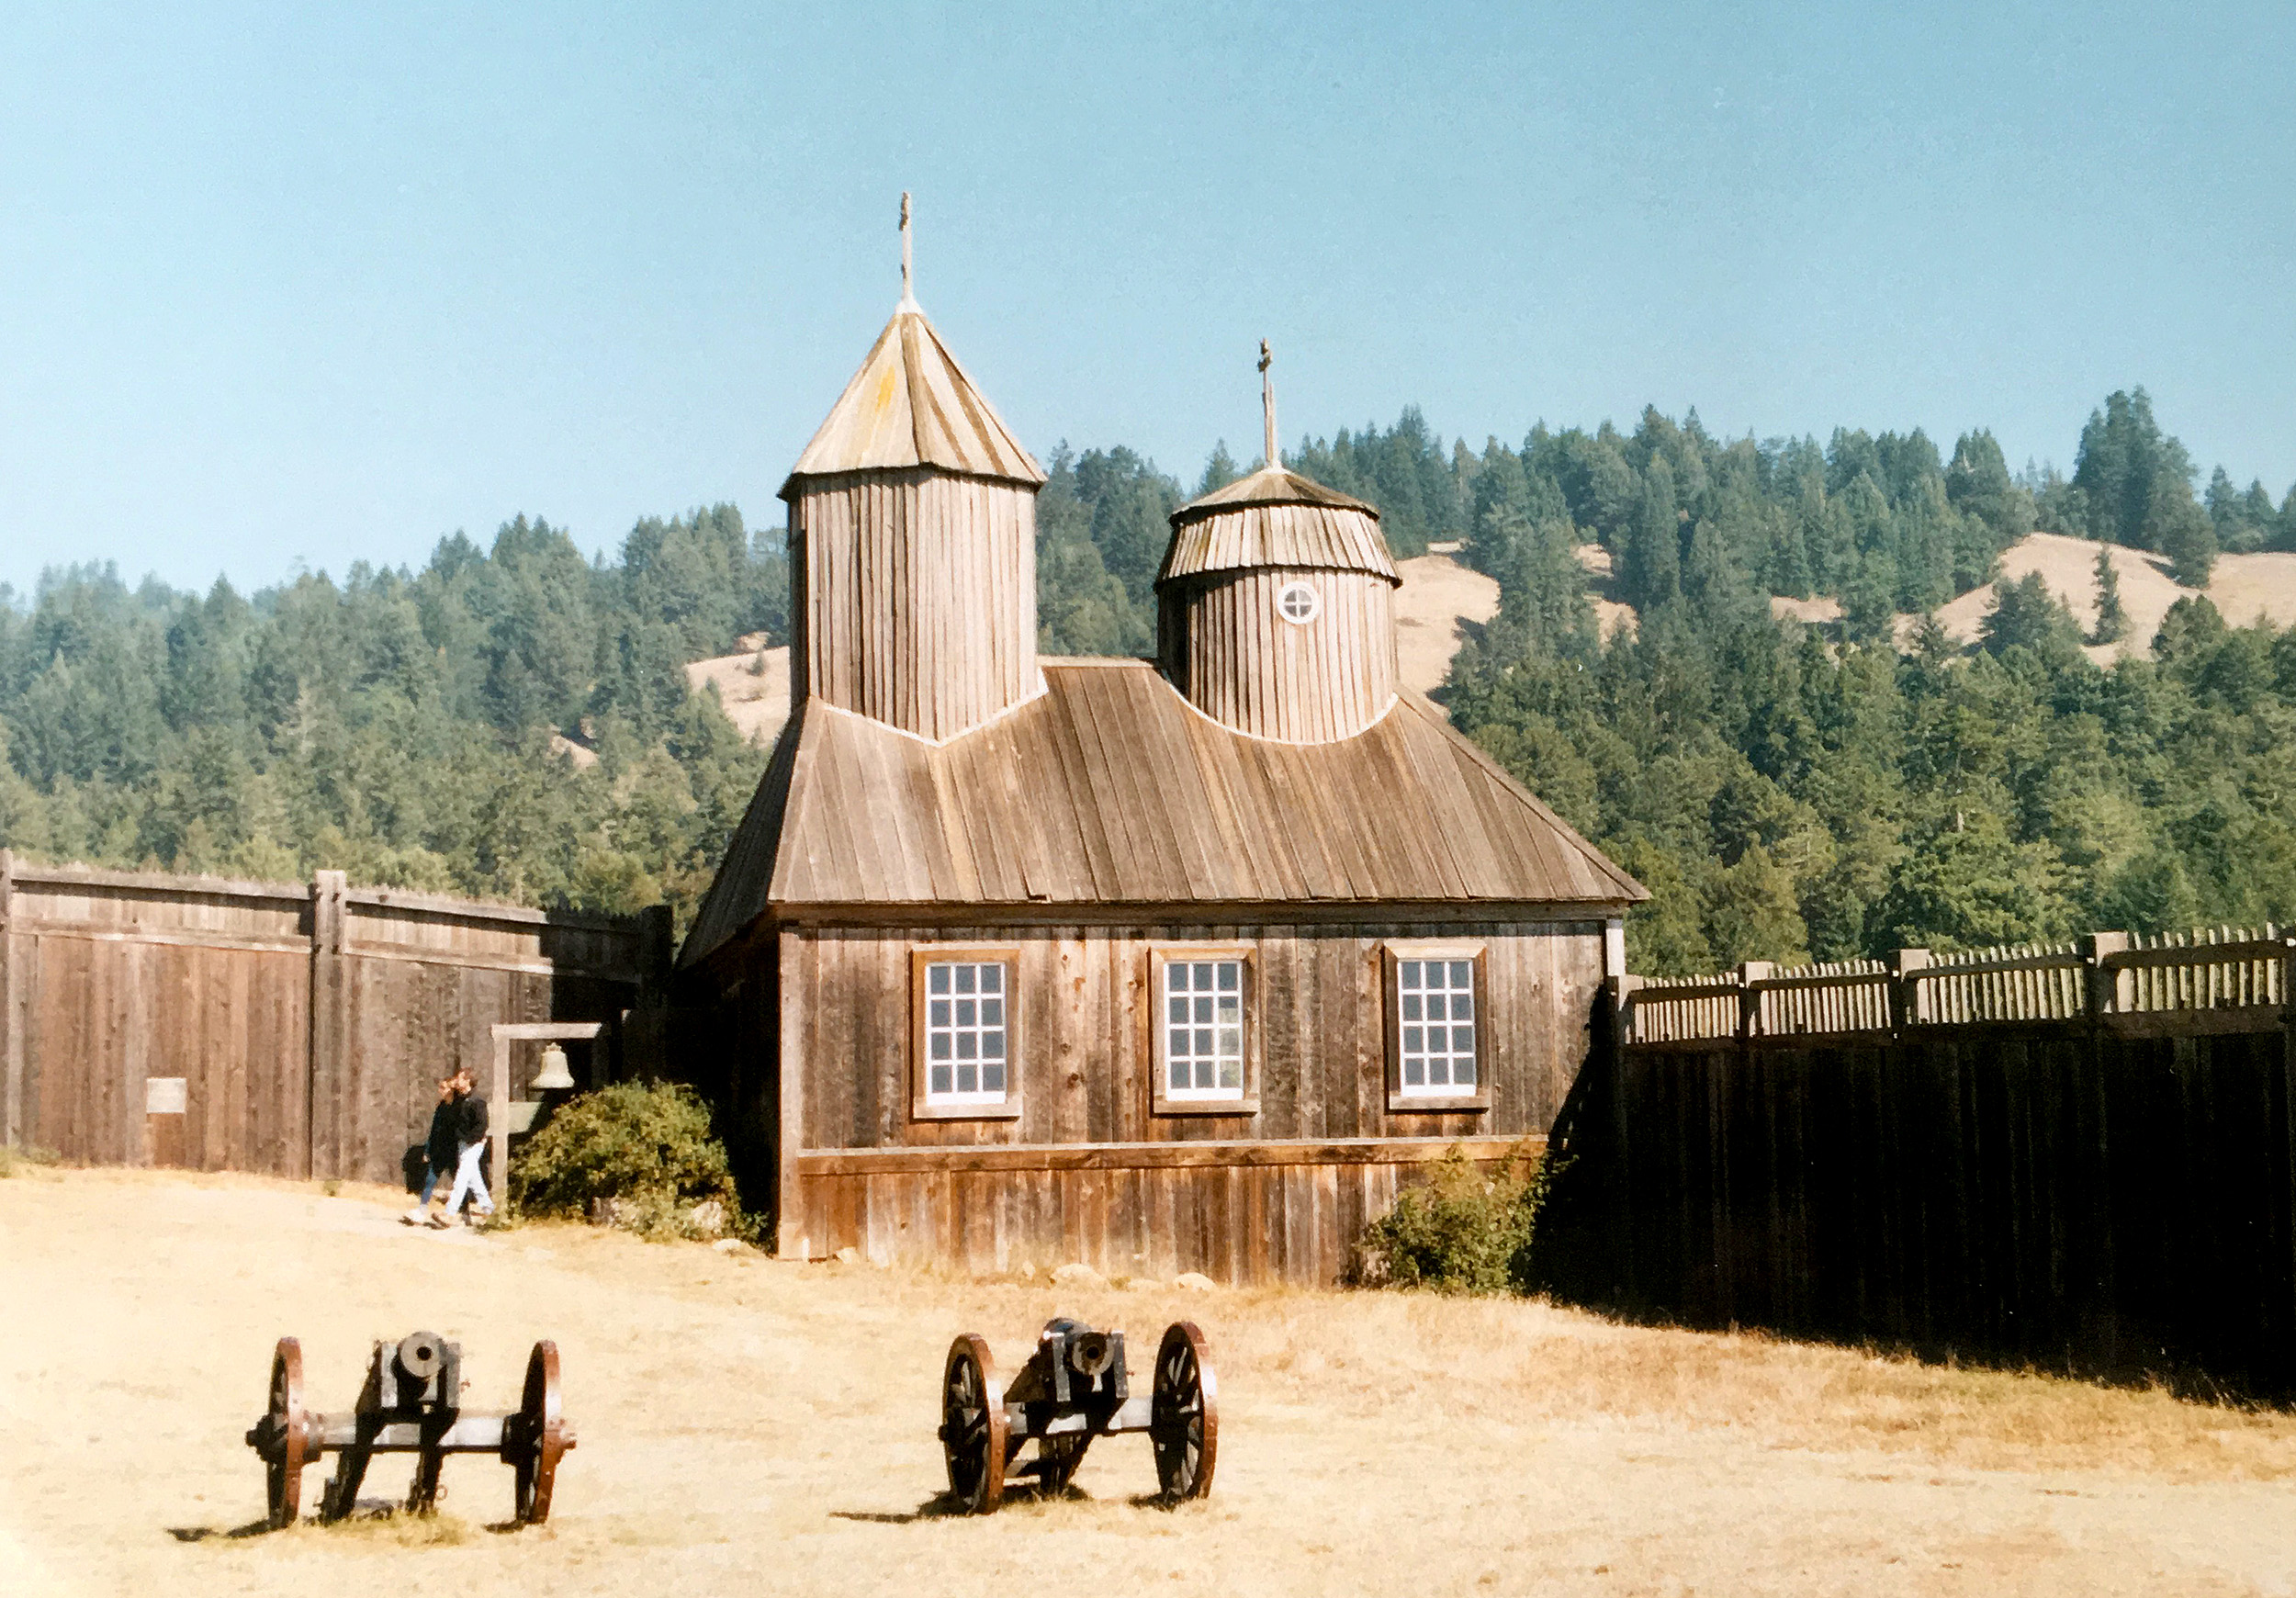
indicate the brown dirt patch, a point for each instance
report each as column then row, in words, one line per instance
column 749, row 1425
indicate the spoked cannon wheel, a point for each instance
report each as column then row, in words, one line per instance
column 972, row 1435
column 1183, row 1424
column 284, row 1440
column 538, row 1437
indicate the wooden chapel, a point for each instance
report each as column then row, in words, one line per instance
column 1160, row 966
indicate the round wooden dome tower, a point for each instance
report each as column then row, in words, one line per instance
column 1276, row 605
column 912, row 540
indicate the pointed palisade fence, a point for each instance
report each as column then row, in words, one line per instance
column 2079, row 1155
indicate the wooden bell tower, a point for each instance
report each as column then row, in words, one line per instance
column 911, row 537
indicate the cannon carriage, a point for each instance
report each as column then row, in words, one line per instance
column 411, row 1403
column 1074, row 1387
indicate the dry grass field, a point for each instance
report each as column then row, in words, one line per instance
column 2245, row 588
column 748, row 1425
column 1438, row 593
column 752, row 684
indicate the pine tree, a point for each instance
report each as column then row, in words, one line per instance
column 1220, row 470
column 2182, row 531
column 2025, row 615
column 2112, row 622
column 1979, row 486
column 1651, row 573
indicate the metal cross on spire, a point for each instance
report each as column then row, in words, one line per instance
column 1267, row 400
column 909, row 296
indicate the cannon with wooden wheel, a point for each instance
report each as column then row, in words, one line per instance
column 412, row 1404
column 1076, row 1388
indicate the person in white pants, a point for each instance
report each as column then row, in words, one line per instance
column 470, row 1139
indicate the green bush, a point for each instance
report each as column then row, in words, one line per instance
column 646, row 1145
column 1464, row 1231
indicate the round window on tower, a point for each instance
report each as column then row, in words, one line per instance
column 1299, row 602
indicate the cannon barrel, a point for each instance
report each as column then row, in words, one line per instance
column 422, row 1355
column 1090, row 1354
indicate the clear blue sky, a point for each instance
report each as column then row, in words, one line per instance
column 322, row 283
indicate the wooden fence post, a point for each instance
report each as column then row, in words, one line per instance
column 1622, row 989
column 2288, row 993
column 11, row 1032
column 656, row 950
column 1621, row 1199
column 330, row 1024
column 2101, row 991
column 1751, row 972
column 498, row 1092
column 2099, row 1318
column 1905, row 994
column 643, row 1038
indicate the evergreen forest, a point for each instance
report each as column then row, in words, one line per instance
column 1786, row 792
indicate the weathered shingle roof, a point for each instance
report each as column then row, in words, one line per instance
column 1108, row 789
column 1275, row 518
column 912, row 405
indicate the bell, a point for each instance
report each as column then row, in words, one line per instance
column 554, row 1073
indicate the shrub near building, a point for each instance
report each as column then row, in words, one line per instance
column 647, row 1147
column 1465, row 1230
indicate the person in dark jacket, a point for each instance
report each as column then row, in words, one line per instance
column 470, row 1112
column 438, row 1152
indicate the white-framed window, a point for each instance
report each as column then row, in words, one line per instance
column 1203, row 1054
column 1202, row 1028
column 1299, row 602
column 967, row 1031
column 1435, row 1025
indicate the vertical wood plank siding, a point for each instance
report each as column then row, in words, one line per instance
column 917, row 592
column 1084, row 1070
column 307, row 1023
column 1241, row 662
column 2112, row 1194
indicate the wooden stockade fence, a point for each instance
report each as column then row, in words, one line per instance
column 290, row 1029
column 2078, row 1155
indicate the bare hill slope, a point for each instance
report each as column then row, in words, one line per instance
column 2244, row 586
column 752, row 684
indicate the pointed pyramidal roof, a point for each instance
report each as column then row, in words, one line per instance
column 912, row 405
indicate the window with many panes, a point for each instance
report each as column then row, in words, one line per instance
column 1436, row 1025
column 966, row 1031
column 1203, row 1029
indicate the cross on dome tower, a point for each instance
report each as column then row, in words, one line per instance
column 1275, row 603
